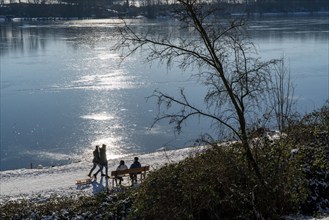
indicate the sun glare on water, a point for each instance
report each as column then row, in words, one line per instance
column 102, row 116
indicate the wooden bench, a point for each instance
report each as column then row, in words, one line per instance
column 126, row 173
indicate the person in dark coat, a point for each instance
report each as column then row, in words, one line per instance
column 103, row 161
column 135, row 164
column 96, row 160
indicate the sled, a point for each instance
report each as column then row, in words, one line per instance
column 85, row 181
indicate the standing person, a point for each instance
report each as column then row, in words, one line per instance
column 122, row 166
column 135, row 164
column 103, row 159
column 96, row 161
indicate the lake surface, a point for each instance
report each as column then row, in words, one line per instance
column 63, row 90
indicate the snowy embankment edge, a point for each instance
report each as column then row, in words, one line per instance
column 40, row 184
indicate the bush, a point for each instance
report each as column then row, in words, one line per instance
column 104, row 205
column 311, row 137
column 219, row 183
column 61, row 207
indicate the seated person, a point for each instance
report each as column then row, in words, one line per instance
column 136, row 164
column 122, row 166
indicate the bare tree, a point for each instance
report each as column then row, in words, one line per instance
column 282, row 95
column 236, row 79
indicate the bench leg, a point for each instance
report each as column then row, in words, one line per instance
column 143, row 176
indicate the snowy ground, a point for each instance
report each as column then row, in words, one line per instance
column 45, row 182
column 40, row 184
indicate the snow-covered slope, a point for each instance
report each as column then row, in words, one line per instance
column 60, row 180
column 40, row 184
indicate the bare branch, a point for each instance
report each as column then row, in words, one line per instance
column 186, row 111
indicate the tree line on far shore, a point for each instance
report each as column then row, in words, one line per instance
column 147, row 8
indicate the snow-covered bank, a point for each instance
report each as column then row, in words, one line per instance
column 40, row 184
column 43, row 183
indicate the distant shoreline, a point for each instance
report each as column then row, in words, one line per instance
column 8, row 18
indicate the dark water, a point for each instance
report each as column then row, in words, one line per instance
column 63, row 90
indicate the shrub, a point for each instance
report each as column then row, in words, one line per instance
column 218, row 184
column 55, row 207
column 311, row 137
